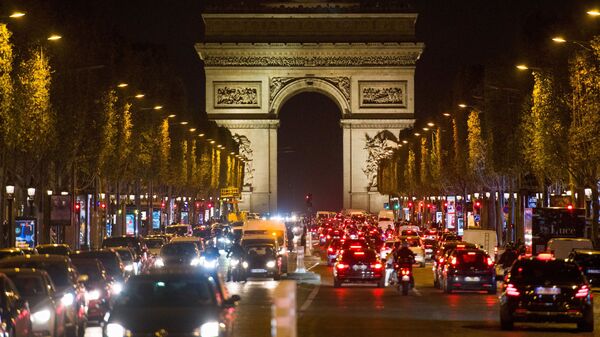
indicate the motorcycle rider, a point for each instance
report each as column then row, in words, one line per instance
column 405, row 258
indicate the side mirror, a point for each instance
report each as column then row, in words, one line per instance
column 82, row 278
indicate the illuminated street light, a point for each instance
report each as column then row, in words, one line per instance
column 593, row 12
column 172, row 116
column 430, row 124
column 212, row 142
column 183, row 123
column 582, row 44
column 446, row 114
column 417, row 134
column 139, row 96
column 405, row 141
column 201, row 135
column 16, row 15
column 559, row 39
column 54, row 37
column 522, row 67
column 122, row 85
column 192, row 129
column 158, row 107
column 425, row 129
column 462, row 105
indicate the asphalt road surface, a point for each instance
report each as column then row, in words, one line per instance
column 363, row 310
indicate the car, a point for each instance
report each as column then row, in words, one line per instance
column 262, row 261
column 7, row 252
column 355, row 244
column 469, row 269
column 387, row 248
column 29, row 250
column 68, row 283
column 588, row 261
column 358, row 266
column 544, row 289
column 332, row 251
column 195, row 240
column 54, row 249
column 441, row 257
column 111, row 262
column 154, row 244
column 14, row 310
column 135, row 243
column 186, row 302
column 416, row 246
column 179, row 230
column 430, row 246
column 562, row 247
column 183, row 253
column 98, row 287
column 36, row 287
column 129, row 259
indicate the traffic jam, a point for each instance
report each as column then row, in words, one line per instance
column 178, row 281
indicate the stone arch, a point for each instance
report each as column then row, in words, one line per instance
column 322, row 86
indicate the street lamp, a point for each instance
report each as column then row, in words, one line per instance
column 122, row 85
column 16, row 15
column 54, row 37
column 446, row 114
column 10, row 192
column 582, row 44
column 172, row 116
column 593, row 12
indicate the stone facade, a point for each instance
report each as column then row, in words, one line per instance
column 371, row 83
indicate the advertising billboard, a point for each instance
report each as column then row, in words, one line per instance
column 25, row 229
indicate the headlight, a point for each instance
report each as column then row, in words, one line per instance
column 93, row 295
column 195, row 261
column 159, row 263
column 271, row 264
column 245, row 264
column 235, row 262
column 41, row 316
column 209, row 329
column 67, row 299
column 117, row 288
column 129, row 267
column 115, row 330
column 210, row 264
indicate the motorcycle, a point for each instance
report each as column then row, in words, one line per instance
column 405, row 276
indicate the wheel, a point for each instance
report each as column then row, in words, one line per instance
column 381, row 283
column 506, row 321
column 336, row 283
column 405, row 286
column 587, row 322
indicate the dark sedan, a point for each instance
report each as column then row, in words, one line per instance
column 358, row 266
column 178, row 303
column 544, row 289
column 53, row 249
column 589, row 263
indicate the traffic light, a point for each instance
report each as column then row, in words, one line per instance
column 162, row 204
column 396, row 205
column 477, row 204
column 77, row 207
column 210, row 205
column 410, row 205
column 103, row 205
column 308, row 200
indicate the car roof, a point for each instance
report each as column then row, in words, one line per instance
column 49, row 245
column 40, row 257
column 29, row 271
column 587, row 251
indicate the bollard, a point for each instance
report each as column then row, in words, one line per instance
column 283, row 310
column 300, row 260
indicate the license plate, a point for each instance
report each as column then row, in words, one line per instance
column 405, row 278
column 361, row 267
column 472, row 279
column 594, row 271
column 547, row 291
column 258, row 270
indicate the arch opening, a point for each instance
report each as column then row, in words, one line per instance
column 309, row 152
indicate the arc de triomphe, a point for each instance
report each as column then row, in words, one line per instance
column 257, row 58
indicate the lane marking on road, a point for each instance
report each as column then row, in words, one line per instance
column 417, row 292
column 310, row 298
column 314, row 265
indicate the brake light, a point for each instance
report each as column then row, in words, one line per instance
column 341, row 266
column 545, row 257
column 328, row 236
column 330, row 249
column 405, row 271
column 512, row 291
column 471, row 253
column 377, row 266
column 460, row 246
column 441, row 260
column 453, row 261
column 355, row 247
column 582, row 292
column 490, row 262
column 359, row 253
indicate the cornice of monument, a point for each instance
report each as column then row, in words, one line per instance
column 248, row 123
column 349, row 123
column 309, row 54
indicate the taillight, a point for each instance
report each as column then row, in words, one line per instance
column 355, row 247
column 512, row 291
column 582, row 292
column 328, row 237
column 330, row 250
column 405, row 271
column 453, row 261
column 490, row 262
column 441, row 260
column 359, row 253
column 341, row 266
column 377, row 266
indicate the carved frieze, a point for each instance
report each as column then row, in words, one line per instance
column 342, row 83
column 408, row 59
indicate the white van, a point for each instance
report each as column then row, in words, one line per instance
column 486, row 239
column 562, row 247
column 274, row 228
column 385, row 218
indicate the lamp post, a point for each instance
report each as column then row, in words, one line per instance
column 31, row 199
column 10, row 192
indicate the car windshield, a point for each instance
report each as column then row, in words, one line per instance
column 543, row 272
column 58, row 271
column 88, row 267
column 59, row 250
column 166, row 293
column 154, row 243
column 125, row 255
column 28, row 285
column 178, row 249
column 585, row 260
column 260, row 250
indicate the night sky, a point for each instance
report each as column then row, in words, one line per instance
column 457, row 34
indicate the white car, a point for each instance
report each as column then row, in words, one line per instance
column 415, row 244
column 387, row 247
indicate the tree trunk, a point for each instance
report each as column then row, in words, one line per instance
column 595, row 209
